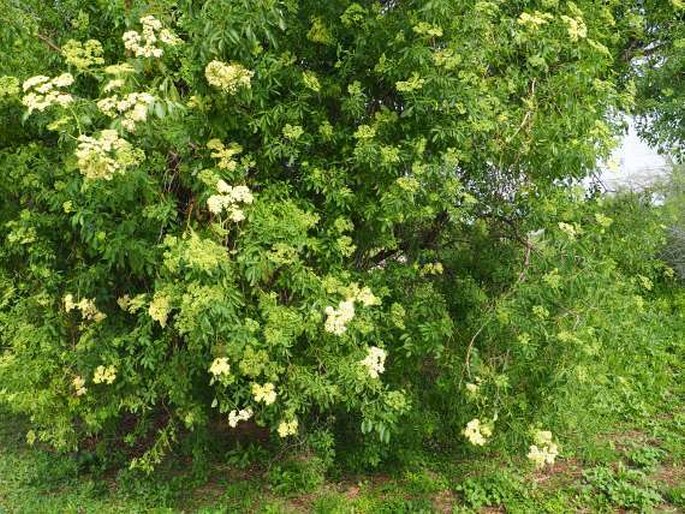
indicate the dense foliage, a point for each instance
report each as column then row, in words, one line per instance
column 327, row 218
column 658, row 58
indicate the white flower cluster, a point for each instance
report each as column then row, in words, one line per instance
column 42, row 92
column 228, row 200
column 286, row 428
column 264, row 393
column 374, row 361
column 88, row 309
column 220, row 366
column 337, row 319
column 133, row 107
column 145, row 44
column 544, row 451
column 113, row 84
column 104, row 375
column 79, row 385
column 228, row 77
column 473, row 388
column 235, row 416
column 477, row 433
column 103, row 157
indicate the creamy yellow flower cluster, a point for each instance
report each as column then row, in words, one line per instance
column 83, row 55
column 570, row 230
column 159, row 309
column 228, row 77
column 220, row 370
column 264, row 393
column 79, row 384
column 104, row 375
column 131, row 305
column 101, row 375
column 374, row 361
column 426, row 29
column 576, row 27
column 103, row 157
column 473, row 388
column 235, row 416
column 220, row 366
column 432, row 268
column 413, row 83
column 225, row 154
column 286, row 428
column 9, row 86
column 120, row 69
column 544, row 451
column 228, row 200
column 112, row 85
column 133, row 107
column 145, row 44
column 477, row 433
column 42, row 92
column 447, row 58
column 88, row 309
column 534, row 20
column 337, row 319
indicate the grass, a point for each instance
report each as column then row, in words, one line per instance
column 639, row 467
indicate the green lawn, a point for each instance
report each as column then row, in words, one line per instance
column 640, row 467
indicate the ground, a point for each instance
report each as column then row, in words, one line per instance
column 638, row 467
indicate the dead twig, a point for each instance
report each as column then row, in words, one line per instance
column 49, row 43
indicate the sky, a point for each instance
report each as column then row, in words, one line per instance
column 635, row 164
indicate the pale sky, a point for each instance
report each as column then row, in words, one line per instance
column 638, row 164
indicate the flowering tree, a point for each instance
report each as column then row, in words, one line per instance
column 657, row 51
column 245, row 210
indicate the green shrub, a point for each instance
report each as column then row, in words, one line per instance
column 240, row 211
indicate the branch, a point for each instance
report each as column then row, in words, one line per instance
column 526, row 261
column 49, row 43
